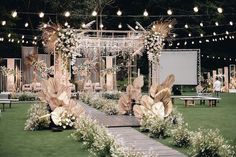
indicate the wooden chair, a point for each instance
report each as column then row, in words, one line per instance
column 27, row 87
column 97, row 87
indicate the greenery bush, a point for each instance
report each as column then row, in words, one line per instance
column 97, row 140
column 111, row 95
column 181, row 136
column 209, row 143
column 34, row 122
column 156, row 127
column 108, row 106
column 24, row 96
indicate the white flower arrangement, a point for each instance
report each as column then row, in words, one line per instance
column 34, row 122
column 110, row 107
column 67, row 43
column 42, row 68
column 181, row 136
column 156, row 127
column 112, row 70
column 208, row 142
column 63, row 118
column 98, row 140
column 6, row 71
column 154, row 43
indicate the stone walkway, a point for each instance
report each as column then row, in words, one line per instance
column 130, row 138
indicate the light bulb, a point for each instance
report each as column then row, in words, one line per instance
column 195, row 9
column 119, row 13
column 145, row 13
column 169, row 12
column 120, row 26
column 220, row 10
column 41, row 14
column 67, row 14
column 26, row 24
column 4, row 23
column 94, row 13
column 14, row 14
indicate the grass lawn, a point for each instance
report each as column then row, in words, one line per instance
column 221, row 117
column 15, row 142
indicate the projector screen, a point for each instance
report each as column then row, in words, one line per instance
column 182, row 63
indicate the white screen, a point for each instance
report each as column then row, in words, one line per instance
column 181, row 63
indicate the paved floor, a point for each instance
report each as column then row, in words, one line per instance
column 121, row 128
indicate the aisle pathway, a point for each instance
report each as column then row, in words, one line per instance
column 129, row 138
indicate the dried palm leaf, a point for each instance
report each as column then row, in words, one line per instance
column 168, row 108
column 138, row 82
column 147, row 101
column 124, row 104
column 169, row 81
column 159, row 109
column 30, row 59
column 49, row 36
column 162, row 27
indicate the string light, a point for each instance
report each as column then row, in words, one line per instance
column 220, row 10
column 169, row 12
column 227, row 32
column 119, row 13
column 4, row 23
column 9, row 35
column 136, row 27
column 145, row 13
column 26, row 24
column 66, row 24
column 201, row 24
column 41, row 14
column 216, row 23
column 23, row 37
column 45, row 25
column 186, row 26
column 214, row 33
column 94, row 13
column 170, row 26
column 14, row 14
column 120, row 26
column 189, row 34
column 67, row 14
column 201, row 35
column 101, row 26
column 83, row 25
column 35, row 38
column 231, row 23
column 195, row 9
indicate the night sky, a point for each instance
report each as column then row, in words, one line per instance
column 131, row 11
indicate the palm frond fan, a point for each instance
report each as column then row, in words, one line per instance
column 30, row 59
column 163, row 27
column 49, row 36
